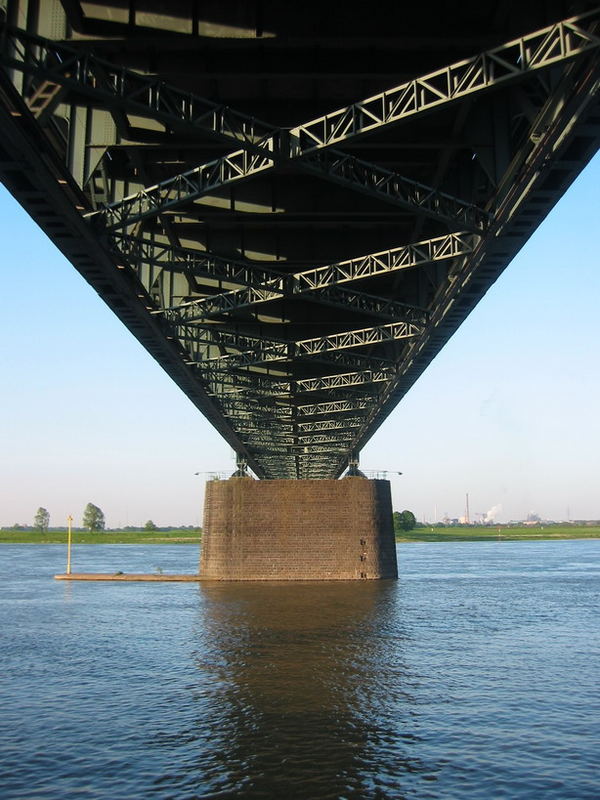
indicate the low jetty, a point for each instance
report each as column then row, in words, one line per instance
column 123, row 576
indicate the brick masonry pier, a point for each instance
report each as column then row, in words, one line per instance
column 298, row 530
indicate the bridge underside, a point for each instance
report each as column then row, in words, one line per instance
column 293, row 207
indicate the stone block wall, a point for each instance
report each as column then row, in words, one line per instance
column 298, row 530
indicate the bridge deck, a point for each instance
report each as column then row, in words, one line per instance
column 292, row 207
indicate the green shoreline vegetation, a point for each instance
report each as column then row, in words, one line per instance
column 494, row 533
column 100, row 537
column 498, row 533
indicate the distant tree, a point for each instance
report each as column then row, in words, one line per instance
column 407, row 520
column 41, row 519
column 150, row 526
column 93, row 518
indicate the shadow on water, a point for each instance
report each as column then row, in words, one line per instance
column 293, row 691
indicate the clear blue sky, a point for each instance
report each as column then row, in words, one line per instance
column 509, row 411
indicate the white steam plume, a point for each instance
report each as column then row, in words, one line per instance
column 491, row 515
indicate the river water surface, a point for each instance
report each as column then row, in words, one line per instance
column 473, row 676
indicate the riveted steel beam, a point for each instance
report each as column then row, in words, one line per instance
column 277, row 289
column 345, row 380
column 362, row 176
column 234, row 405
column 317, row 279
column 262, row 352
column 333, row 407
column 182, row 188
column 101, row 84
column 301, row 451
column 247, row 383
column 393, row 188
column 492, row 68
column 370, row 304
column 258, row 440
column 323, row 438
column 236, row 300
column 350, row 360
column 200, row 264
column 374, row 264
column 391, row 332
column 266, row 350
column 318, row 426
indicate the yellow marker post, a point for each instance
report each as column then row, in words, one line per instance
column 69, row 521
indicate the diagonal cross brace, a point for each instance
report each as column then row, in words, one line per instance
column 345, row 380
column 332, row 165
column 509, row 61
column 195, row 262
column 540, row 49
column 183, row 188
column 369, row 266
column 108, row 86
column 375, row 181
column 112, row 87
column 266, row 351
column 325, row 279
column 252, row 351
column 500, row 65
column 334, row 407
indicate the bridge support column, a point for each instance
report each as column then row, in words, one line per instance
column 286, row 530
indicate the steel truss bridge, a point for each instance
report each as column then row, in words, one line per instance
column 293, row 207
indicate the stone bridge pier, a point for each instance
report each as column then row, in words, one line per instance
column 282, row 530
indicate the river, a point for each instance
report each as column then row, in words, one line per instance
column 473, row 676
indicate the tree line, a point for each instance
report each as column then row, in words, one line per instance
column 93, row 520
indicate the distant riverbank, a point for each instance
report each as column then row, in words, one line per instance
column 425, row 534
column 525, row 533
column 101, row 537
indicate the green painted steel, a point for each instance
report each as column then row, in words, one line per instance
column 293, row 290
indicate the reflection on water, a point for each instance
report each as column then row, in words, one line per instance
column 296, row 683
column 473, row 677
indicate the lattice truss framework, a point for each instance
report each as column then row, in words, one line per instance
column 304, row 287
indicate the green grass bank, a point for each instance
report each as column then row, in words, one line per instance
column 523, row 533
column 101, row 537
column 475, row 534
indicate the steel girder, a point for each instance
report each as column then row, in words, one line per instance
column 223, row 381
column 508, row 62
column 327, row 383
column 333, row 407
column 335, row 166
column 373, row 180
column 219, row 310
column 182, row 189
column 268, row 350
column 375, row 264
column 492, row 68
column 392, row 332
column 279, row 286
column 345, row 424
column 167, row 256
column 102, row 84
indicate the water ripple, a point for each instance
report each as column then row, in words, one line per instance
column 475, row 676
